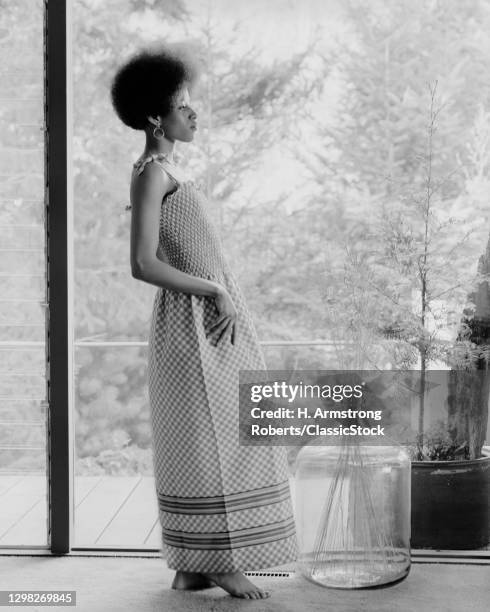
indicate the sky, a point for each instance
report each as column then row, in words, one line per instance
column 280, row 29
column 278, row 26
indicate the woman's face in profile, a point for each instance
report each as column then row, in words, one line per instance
column 180, row 123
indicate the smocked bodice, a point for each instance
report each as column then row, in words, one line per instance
column 187, row 235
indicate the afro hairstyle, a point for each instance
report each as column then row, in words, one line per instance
column 147, row 83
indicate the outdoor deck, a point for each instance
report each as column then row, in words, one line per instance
column 110, row 511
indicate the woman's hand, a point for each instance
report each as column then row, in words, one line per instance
column 224, row 326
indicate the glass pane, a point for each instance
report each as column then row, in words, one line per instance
column 312, row 149
column 114, row 490
column 23, row 399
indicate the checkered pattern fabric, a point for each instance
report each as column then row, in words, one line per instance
column 222, row 507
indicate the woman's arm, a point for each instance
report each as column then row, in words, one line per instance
column 147, row 192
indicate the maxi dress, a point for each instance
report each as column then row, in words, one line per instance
column 222, row 506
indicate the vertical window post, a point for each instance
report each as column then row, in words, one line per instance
column 58, row 208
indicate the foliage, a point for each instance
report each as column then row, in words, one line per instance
column 337, row 258
column 244, row 106
column 403, row 243
column 368, row 165
column 436, row 444
column 128, row 461
column 355, row 233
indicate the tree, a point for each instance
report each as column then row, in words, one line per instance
column 244, row 107
column 368, row 157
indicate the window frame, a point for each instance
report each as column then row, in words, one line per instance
column 59, row 273
column 60, row 290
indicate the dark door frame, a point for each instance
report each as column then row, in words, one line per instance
column 58, row 209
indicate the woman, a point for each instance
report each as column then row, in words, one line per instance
column 223, row 508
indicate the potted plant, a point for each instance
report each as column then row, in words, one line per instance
column 450, row 472
column 406, row 279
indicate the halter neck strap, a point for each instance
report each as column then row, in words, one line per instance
column 175, row 173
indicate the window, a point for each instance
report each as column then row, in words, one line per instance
column 23, row 298
column 331, row 137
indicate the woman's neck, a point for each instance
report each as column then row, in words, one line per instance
column 160, row 146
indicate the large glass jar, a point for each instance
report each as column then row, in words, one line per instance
column 352, row 507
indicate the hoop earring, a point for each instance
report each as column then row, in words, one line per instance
column 158, row 132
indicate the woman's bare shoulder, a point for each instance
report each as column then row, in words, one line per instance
column 176, row 171
column 151, row 183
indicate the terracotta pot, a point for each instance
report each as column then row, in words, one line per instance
column 450, row 504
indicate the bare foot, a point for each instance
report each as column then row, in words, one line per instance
column 238, row 585
column 190, row 581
